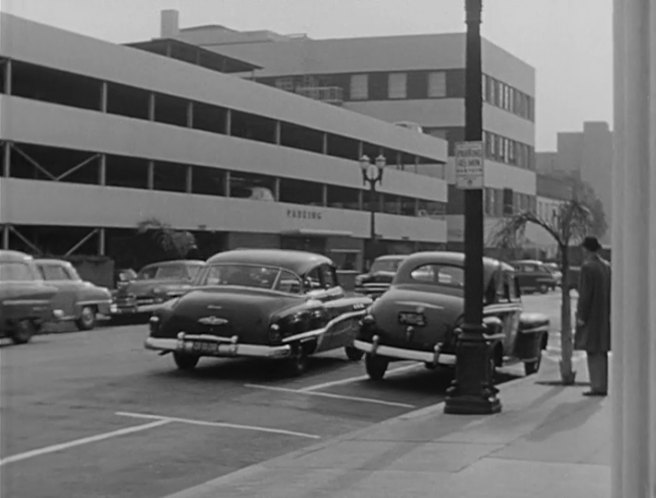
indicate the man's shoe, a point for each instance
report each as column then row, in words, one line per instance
column 594, row 393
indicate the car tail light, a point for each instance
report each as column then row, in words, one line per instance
column 154, row 324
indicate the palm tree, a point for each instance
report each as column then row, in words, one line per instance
column 175, row 243
column 573, row 221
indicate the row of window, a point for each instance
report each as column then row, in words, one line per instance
column 506, row 202
column 39, row 162
column 408, row 85
column 50, row 85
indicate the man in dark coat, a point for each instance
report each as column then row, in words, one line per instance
column 593, row 316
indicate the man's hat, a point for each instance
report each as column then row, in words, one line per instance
column 591, row 244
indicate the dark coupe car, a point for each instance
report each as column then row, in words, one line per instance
column 534, row 275
column 154, row 284
column 419, row 317
column 25, row 300
column 266, row 303
column 380, row 275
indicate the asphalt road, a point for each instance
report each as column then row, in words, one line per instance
column 93, row 414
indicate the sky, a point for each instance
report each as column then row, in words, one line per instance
column 568, row 42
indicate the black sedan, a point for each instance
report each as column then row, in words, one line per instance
column 420, row 316
column 265, row 303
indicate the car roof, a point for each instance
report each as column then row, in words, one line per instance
column 297, row 261
column 490, row 265
column 174, row 262
column 52, row 260
column 7, row 255
column 391, row 256
column 529, row 261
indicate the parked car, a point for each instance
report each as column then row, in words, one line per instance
column 25, row 300
column 267, row 303
column 554, row 268
column 380, row 275
column 534, row 276
column 419, row 317
column 154, row 284
column 78, row 300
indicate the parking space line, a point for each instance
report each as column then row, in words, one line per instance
column 84, row 440
column 331, row 395
column 355, row 379
column 219, row 424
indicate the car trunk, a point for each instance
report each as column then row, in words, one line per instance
column 430, row 320
column 226, row 312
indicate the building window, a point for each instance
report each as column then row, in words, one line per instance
column 286, row 83
column 343, row 197
column 359, row 89
column 436, row 84
column 397, row 85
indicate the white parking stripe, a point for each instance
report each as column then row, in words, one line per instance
column 219, row 424
column 355, row 379
column 331, row 395
column 79, row 442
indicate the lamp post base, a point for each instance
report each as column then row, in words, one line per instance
column 473, row 391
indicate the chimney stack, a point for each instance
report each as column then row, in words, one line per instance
column 170, row 28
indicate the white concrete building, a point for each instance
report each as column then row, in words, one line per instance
column 410, row 79
column 97, row 137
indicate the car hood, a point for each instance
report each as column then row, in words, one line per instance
column 441, row 312
column 226, row 311
column 142, row 287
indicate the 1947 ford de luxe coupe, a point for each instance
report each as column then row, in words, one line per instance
column 261, row 303
column 420, row 316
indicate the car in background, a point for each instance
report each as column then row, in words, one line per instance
column 154, row 284
column 420, row 316
column 263, row 303
column 379, row 277
column 534, row 276
column 25, row 300
column 554, row 268
column 78, row 301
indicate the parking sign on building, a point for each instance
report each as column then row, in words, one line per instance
column 469, row 165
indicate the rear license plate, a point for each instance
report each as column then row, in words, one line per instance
column 204, row 347
column 412, row 318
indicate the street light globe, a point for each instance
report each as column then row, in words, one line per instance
column 381, row 162
column 364, row 163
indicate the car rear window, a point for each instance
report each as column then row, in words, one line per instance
column 386, row 265
column 15, row 272
column 437, row 274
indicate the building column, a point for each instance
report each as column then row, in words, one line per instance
column 101, row 242
column 5, row 236
column 324, row 143
column 276, row 189
column 151, row 106
column 227, row 184
column 189, row 179
column 277, row 133
column 633, row 317
column 103, row 96
column 228, row 122
column 151, row 175
column 324, row 195
column 7, row 82
column 102, row 170
column 6, row 160
column 190, row 114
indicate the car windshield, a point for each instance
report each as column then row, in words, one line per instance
column 15, row 272
column 251, row 275
column 163, row 272
column 386, row 265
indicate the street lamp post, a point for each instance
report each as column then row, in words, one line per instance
column 473, row 389
column 371, row 175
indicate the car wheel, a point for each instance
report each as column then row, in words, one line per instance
column 297, row 364
column 23, row 332
column 87, row 318
column 544, row 288
column 185, row 361
column 532, row 367
column 353, row 354
column 376, row 366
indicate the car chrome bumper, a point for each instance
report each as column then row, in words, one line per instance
column 223, row 347
column 433, row 358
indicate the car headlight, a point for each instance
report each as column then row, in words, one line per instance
column 154, row 323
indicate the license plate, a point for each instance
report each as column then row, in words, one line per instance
column 204, row 347
column 412, row 318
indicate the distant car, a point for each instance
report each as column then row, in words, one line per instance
column 419, row 317
column 25, row 300
column 78, row 301
column 154, row 284
column 267, row 303
column 534, row 276
column 380, row 275
column 554, row 268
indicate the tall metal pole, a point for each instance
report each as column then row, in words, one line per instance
column 372, row 219
column 472, row 390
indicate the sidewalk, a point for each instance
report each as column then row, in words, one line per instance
column 548, row 441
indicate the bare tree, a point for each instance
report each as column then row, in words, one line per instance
column 176, row 243
column 573, row 221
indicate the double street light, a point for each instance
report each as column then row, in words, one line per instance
column 372, row 174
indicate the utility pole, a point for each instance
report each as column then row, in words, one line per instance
column 473, row 391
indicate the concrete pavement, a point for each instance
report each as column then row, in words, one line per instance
column 548, row 441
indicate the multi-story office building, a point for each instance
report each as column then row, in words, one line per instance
column 416, row 80
column 98, row 137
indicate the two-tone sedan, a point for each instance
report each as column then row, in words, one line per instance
column 379, row 277
column 25, row 300
column 420, row 316
column 266, row 303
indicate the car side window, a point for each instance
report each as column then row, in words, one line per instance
column 328, row 277
column 288, row 282
column 53, row 272
column 313, row 279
